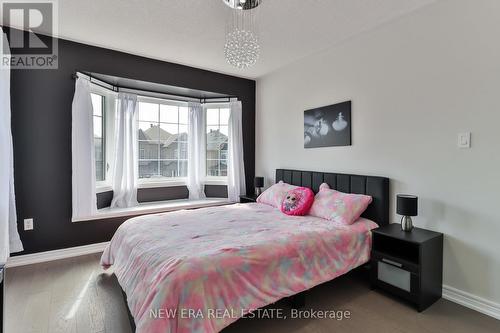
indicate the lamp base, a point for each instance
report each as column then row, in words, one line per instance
column 406, row 223
column 258, row 191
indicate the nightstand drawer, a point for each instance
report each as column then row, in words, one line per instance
column 394, row 275
column 389, row 275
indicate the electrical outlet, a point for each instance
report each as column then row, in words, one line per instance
column 28, row 224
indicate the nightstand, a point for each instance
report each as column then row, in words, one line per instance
column 248, row 198
column 408, row 264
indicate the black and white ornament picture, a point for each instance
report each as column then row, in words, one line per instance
column 339, row 124
column 328, row 126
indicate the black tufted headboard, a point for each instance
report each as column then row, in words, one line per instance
column 377, row 187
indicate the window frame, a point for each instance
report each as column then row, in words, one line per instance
column 109, row 108
column 104, row 182
column 161, row 181
column 215, row 180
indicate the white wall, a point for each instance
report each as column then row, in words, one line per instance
column 415, row 84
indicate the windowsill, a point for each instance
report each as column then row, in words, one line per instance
column 152, row 184
column 155, row 207
column 103, row 188
column 215, row 181
column 142, row 185
column 173, row 183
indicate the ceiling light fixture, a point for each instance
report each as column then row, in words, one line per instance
column 242, row 48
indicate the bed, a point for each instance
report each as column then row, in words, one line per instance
column 201, row 270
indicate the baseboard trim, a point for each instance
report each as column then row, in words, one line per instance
column 40, row 257
column 470, row 301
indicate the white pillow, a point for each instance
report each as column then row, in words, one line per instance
column 275, row 195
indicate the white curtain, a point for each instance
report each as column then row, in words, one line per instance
column 9, row 237
column 235, row 165
column 125, row 172
column 83, row 157
column 196, row 151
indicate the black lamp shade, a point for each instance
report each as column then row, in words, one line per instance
column 407, row 205
column 259, row 182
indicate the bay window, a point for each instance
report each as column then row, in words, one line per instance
column 162, row 140
column 133, row 141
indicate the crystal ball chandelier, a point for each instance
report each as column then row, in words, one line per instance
column 242, row 48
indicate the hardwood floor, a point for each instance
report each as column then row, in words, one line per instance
column 66, row 296
column 76, row 296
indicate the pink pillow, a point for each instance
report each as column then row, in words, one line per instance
column 337, row 206
column 298, row 201
column 274, row 195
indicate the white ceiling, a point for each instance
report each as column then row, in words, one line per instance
column 192, row 32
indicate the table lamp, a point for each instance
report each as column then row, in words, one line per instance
column 407, row 206
column 259, row 184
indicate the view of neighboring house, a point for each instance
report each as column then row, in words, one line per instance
column 162, row 154
column 99, row 158
column 216, row 153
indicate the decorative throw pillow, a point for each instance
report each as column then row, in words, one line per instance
column 274, row 195
column 339, row 207
column 298, row 201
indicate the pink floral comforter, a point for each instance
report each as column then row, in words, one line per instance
column 200, row 270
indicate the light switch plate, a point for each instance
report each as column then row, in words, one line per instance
column 28, row 224
column 464, row 140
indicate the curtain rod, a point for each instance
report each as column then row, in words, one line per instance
column 116, row 88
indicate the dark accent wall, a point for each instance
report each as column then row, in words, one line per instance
column 216, row 191
column 162, row 193
column 104, row 199
column 41, row 126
